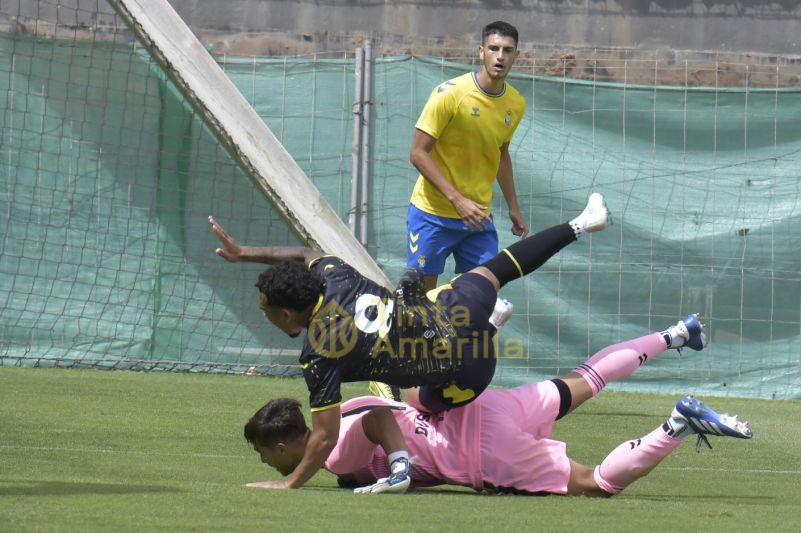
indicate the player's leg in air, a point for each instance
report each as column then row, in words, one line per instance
column 595, row 217
column 634, row 459
column 619, row 361
column 541, row 404
column 537, row 406
column 527, row 255
column 528, row 460
column 477, row 291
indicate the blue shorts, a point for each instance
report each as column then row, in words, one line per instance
column 431, row 239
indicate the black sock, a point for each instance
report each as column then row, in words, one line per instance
column 528, row 255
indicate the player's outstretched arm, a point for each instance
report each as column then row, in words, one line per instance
column 235, row 253
column 323, row 438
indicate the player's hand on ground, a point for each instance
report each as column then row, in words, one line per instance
column 230, row 250
column 519, row 224
column 472, row 213
column 277, row 484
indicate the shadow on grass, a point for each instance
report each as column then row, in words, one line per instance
column 616, row 414
column 724, row 498
column 447, row 490
column 672, row 498
column 14, row 487
column 420, row 491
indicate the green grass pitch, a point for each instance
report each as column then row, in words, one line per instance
column 88, row 450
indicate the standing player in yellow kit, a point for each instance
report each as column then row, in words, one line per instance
column 460, row 147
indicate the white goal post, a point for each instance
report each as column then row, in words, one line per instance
column 237, row 125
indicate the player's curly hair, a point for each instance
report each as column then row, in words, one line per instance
column 290, row 284
column 281, row 420
column 499, row 27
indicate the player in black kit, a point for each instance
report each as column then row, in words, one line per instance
column 357, row 330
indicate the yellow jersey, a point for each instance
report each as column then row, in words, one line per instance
column 470, row 126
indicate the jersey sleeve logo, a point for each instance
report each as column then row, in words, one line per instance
column 445, row 86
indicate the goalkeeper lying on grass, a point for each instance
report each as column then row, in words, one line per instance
column 501, row 441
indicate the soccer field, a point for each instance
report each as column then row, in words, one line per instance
column 124, row 451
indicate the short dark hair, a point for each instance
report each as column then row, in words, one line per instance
column 281, row 420
column 499, row 27
column 290, row 284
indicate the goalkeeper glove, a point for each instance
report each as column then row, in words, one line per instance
column 398, row 481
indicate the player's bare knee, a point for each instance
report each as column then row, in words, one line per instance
column 582, row 482
column 580, row 390
column 372, row 421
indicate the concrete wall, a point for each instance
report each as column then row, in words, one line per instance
column 757, row 26
column 675, row 42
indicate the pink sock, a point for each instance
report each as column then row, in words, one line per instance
column 620, row 360
column 633, row 459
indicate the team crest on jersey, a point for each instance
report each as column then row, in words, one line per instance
column 475, row 112
column 508, row 119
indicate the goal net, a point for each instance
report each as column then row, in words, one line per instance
column 113, row 156
column 116, row 149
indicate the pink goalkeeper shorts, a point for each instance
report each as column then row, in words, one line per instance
column 517, row 454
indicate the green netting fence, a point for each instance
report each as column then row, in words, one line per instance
column 108, row 177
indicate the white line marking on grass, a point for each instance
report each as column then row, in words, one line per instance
column 127, row 452
column 755, row 471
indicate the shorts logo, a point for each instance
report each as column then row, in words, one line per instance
column 421, row 261
column 412, row 242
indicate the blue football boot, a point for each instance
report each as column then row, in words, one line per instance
column 693, row 417
column 689, row 331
